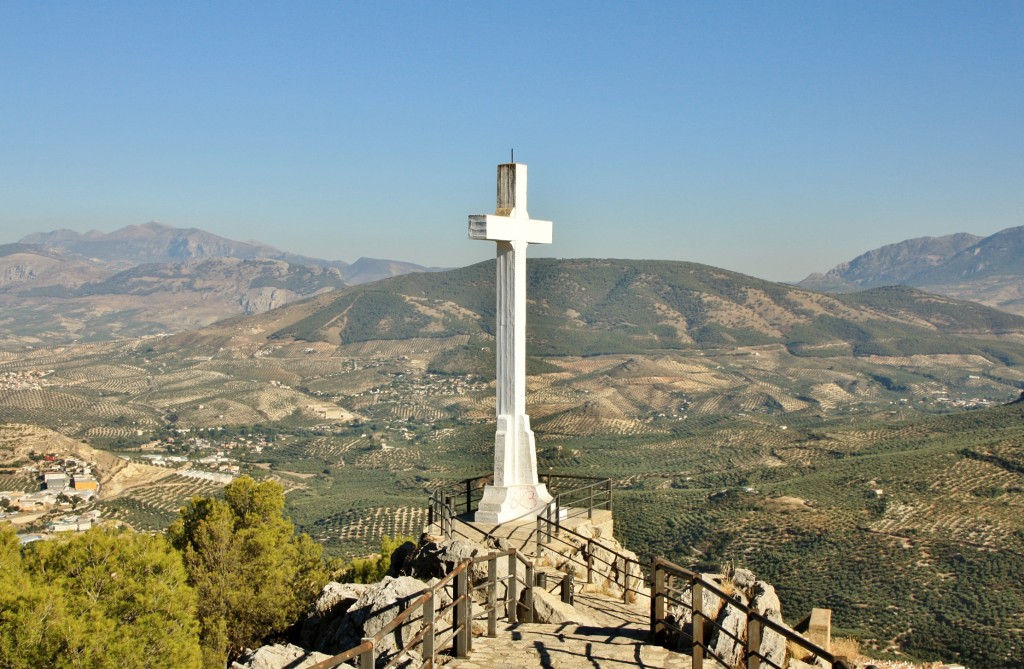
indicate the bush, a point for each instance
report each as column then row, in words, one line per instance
column 374, row 568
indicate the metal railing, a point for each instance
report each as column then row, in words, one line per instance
column 460, row 497
column 578, row 500
column 627, row 573
column 670, row 585
column 453, row 594
column 466, row 494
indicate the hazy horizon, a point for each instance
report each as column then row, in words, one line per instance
column 774, row 140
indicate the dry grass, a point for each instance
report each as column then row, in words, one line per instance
column 846, row 647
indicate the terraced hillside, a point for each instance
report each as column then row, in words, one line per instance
column 798, row 433
column 911, row 531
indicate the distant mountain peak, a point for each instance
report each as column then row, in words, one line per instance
column 984, row 269
column 156, row 242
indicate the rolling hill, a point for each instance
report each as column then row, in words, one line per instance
column 588, row 307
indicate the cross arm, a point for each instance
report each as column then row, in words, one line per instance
column 509, row 229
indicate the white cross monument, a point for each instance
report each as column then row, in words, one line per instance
column 516, row 492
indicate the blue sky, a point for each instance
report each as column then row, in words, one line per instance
column 771, row 138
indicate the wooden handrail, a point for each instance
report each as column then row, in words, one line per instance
column 460, row 638
column 332, row 662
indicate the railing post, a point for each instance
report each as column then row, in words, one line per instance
column 547, row 510
column 697, row 601
column 511, row 590
column 558, row 515
column 430, row 510
column 753, row 641
column 368, row 658
column 657, row 603
column 529, row 593
column 469, row 609
column 540, row 528
column 429, row 611
column 492, row 594
column 590, row 560
column 608, row 492
column 469, row 495
column 446, row 516
column 461, row 619
column 567, row 588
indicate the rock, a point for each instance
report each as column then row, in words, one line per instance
column 682, row 615
column 381, row 604
column 610, row 571
column 436, row 560
column 378, row 605
column 548, row 608
column 743, row 579
column 279, row 656
column 424, row 562
column 733, row 622
column 626, row 570
column 328, row 610
column 810, row 662
column 766, row 602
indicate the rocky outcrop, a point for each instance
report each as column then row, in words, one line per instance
column 616, row 569
column 681, row 616
column 346, row 613
column 732, row 628
column 728, row 635
column 326, row 614
column 278, row 656
column 436, row 559
column 766, row 601
column 335, row 623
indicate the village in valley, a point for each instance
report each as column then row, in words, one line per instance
column 65, row 488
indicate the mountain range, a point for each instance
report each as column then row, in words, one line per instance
column 143, row 279
column 989, row 270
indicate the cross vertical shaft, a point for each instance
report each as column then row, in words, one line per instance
column 516, row 491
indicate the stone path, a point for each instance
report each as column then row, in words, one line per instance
column 618, row 639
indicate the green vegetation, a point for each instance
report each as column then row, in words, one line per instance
column 252, row 574
column 374, row 568
column 97, row 600
column 930, row 554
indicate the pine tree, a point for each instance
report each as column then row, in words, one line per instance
column 96, row 600
column 254, row 576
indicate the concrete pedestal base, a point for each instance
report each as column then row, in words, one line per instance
column 501, row 504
